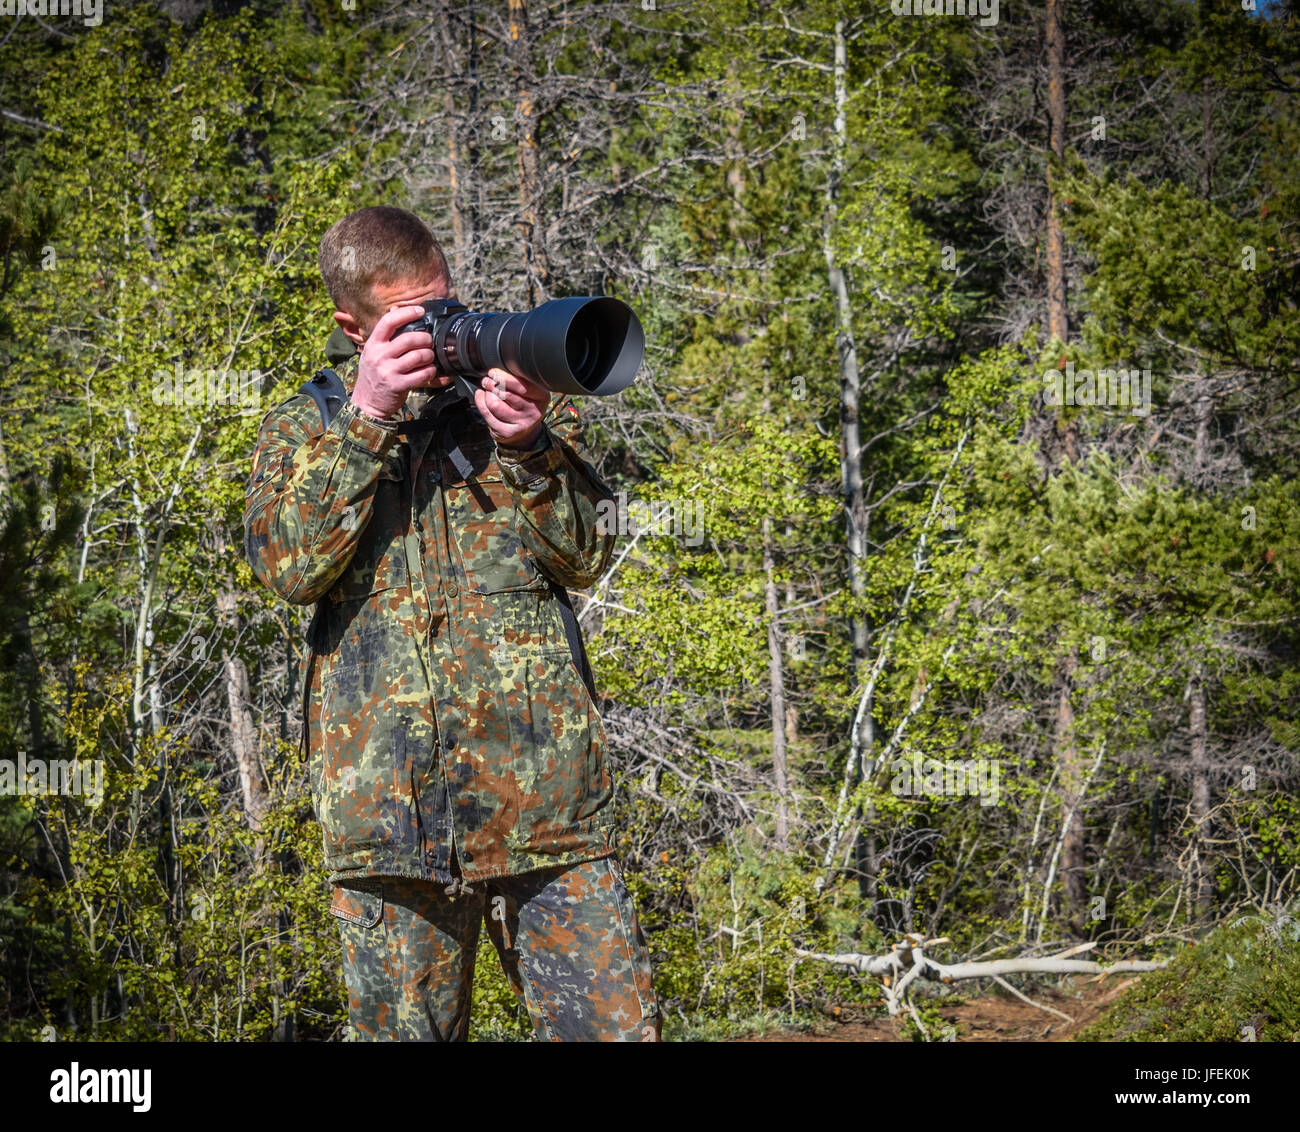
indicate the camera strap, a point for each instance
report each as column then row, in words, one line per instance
column 573, row 633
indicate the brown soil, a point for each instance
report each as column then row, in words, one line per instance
column 993, row 1017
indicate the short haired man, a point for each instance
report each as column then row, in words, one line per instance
column 457, row 759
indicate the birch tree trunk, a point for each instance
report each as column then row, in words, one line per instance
column 791, row 711
column 775, row 669
column 849, row 381
column 862, row 740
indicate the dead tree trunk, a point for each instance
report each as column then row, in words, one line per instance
column 243, row 738
column 906, row 962
column 1058, row 323
column 776, row 671
column 1073, row 785
column 862, row 740
column 1199, row 871
column 791, row 711
column 526, row 144
column 243, row 729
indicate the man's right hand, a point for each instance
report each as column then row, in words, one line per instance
column 391, row 367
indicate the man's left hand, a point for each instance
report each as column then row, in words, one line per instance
column 512, row 407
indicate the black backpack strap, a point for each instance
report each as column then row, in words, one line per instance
column 329, row 393
column 326, row 388
column 574, row 635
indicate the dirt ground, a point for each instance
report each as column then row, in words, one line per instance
column 989, row 1018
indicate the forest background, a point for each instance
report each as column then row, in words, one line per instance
column 891, row 526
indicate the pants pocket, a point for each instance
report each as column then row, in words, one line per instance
column 359, row 902
column 638, row 955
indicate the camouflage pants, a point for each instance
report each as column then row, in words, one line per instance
column 567, row 937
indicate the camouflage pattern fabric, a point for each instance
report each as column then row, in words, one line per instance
column 442, row 711
column 568, row 941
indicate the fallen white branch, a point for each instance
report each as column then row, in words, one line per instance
column 909, row 953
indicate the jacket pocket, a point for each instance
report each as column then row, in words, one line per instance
column 483, row 529
column 558, row 743
column 364, row 791
column 359, row 902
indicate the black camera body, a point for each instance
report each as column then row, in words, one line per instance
column 591, row 345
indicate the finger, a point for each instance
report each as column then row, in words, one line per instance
column 505, row 381
column 413, row 360
column 413, row 340
column 504, row 419
column 398, row 316
column 520, row 402
column 513, row 408
column 415, row 379
column 423, row 377
column 512, row 400
column 501, row 380
column 500, row 412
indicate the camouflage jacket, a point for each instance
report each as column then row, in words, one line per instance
column 442, row 708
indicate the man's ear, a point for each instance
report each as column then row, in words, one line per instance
column 351, row 327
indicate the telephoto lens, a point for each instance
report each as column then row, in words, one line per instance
column 591, row 345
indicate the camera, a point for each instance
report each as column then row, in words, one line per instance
column 591, row 345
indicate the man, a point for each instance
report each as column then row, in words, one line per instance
column 457, row 760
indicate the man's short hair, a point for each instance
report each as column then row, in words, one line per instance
column 377, row 245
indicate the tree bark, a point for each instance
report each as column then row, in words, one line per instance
column 1073, row 783
column 526, row 130
column 791, row 711
column 459, row 241
column 1201, row 887
column 1058, row 324
column 849, row 379
column 862, row 740
column 776, row 673
column 243, row 731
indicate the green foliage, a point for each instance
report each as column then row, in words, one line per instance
column 751, row 911
column 242, row 949
column 1240, row 983
column 928, row 1025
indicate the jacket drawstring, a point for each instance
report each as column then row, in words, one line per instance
column 458, row 887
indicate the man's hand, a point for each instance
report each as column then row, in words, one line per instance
column 512, row 407
column 391, row 367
